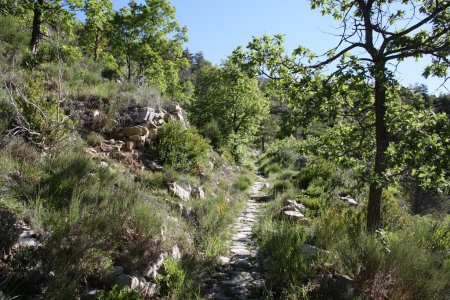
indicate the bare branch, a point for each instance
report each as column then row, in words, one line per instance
column 339, row 54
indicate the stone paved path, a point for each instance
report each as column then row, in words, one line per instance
column 238, row 276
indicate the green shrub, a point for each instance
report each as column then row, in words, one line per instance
column 180, row 148
column 152, row 180
column 315, row 205
column 213, row 218
column 285, row 152
column 242, row 183
column 281, row 243
column 117, row 293
column 337, row 222
column 287, row 175
column 281, row 186
column 419, row 260
column 281, row 155
column 211, row 131
column 83, row 208
column 410, row 263
column 182, row 279
column 94, row 139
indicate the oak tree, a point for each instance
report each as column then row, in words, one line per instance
column 374, row 34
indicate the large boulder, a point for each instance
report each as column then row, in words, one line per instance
column 173, row 108
column 143, row 115
column 180, row 192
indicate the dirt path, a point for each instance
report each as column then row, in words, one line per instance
column 239, row 276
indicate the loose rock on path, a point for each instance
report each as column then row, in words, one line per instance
column 239, row 275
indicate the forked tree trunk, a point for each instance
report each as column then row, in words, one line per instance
column 36, row 29
column 374, row 213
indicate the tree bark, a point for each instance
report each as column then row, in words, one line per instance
column 36, row 29
column 129, row 67
column 96, row 45
column 374, row 213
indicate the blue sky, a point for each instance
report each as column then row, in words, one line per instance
column 216, row 27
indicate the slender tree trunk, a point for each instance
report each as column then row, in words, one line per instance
column 36, row 29
column 129, row 67
column 96, row 46
column 374, row 213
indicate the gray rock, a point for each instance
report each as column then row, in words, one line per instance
column 144, row 288
column 350, row 200
column 178, row 117
column 155, row 167
column 338, row 286
column 176, row 253
column 173, row 108
column 144, row 114
column 152, row 133
column 138, row 140
column 28, row 239
column 178, row 191
column 123, row 280
column 88, row 293
column 152, row 269
column 185, row 211
column 188, row 213
column 224, row 259
column 308, row 250
column 293, row 214
column 129, row 145
column 298, row 206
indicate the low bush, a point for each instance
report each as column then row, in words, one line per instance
column 211, row 131
column 117, row 293
column 182, row 278
column 181, row 148
column 152, row 180
column 242, row 183
column 281, row 243
column 85, row 214
column 285, row 152
column 213, row 218
column 281, row 186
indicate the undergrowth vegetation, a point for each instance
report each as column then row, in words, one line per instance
column 407, row 259
column 92, row 217
column 181, row 148
column 108, row 191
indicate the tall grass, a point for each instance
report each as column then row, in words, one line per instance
column 85, row 213
column 408, row 259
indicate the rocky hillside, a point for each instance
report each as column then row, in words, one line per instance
column 93, row 218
